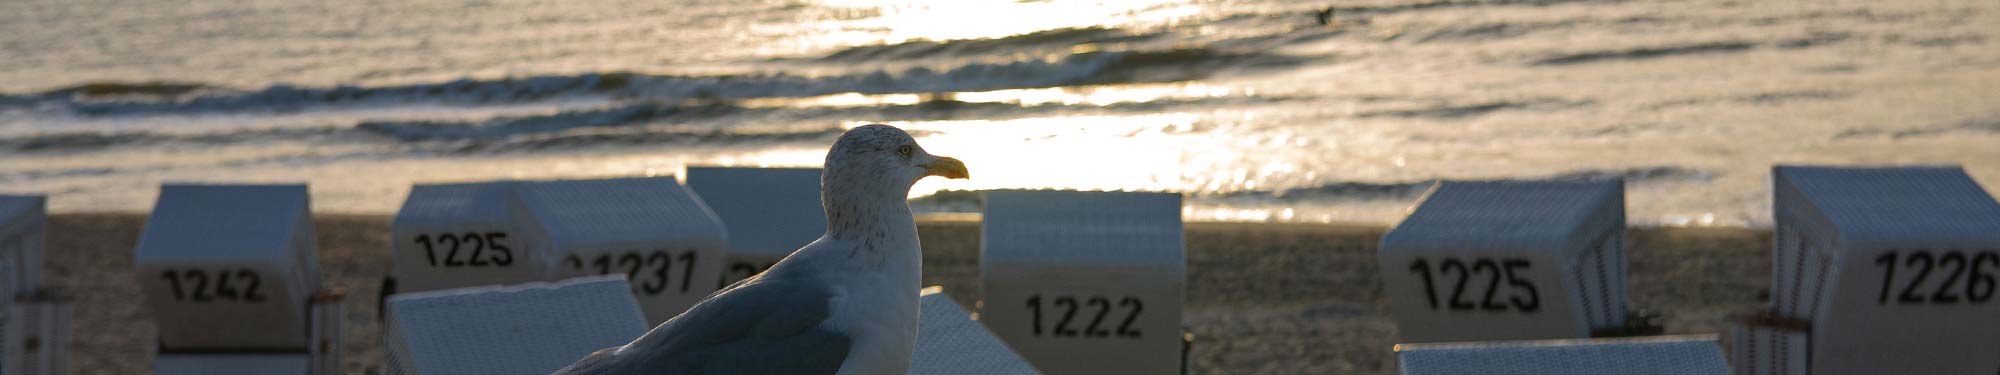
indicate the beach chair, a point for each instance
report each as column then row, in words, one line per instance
column 1508, row 260
column 34, row 321
column 231, row 274
column 1658, row 355
column 463, row 235
column 769, row 212
column 951, row 342
column 534, row 328
column 23, row 228
column 653, row 230
column 1085, row 282
column 1894, row 270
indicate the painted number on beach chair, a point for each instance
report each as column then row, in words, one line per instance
column 1098, row 327
column 649, row 272
column 478, row 249
column 229, row 285
column 1524, row 297
column 1952, row 266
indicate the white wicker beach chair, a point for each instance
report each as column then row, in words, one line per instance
column 653, row 230
column 769, row 212
column 229, row 268
column 1085, row 282
column 463, row 235
column 1896, row 270
column 951, row 342
column 533, row 328
column 1508, row 260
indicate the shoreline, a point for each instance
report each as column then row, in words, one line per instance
column 1260, row 298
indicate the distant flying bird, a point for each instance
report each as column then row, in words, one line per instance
column 843, row 304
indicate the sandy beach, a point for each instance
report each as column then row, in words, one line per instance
column 1261, row 299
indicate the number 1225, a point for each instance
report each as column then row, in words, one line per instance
column 1497, row 269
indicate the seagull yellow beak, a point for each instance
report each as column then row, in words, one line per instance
column 946, row 167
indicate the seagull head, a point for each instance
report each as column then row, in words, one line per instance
column 881, row 160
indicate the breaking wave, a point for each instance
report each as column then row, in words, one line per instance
column 1689, row 49
column 647, row 113
column 85, row 141
column 1087, row 68
column 969, row 201
column 1054, row 39
column 1411, row 189
column 1454, row 111
column 684, row 138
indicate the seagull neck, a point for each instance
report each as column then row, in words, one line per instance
column 868, row 219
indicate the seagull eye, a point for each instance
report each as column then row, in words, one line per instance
column 905, row 150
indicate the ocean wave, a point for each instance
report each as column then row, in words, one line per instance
column 87, row 141
column 106, row 91
column 1974, row 125
column 579, row 127
column 139, row 89
column 504, row 127
column 1758, row 99
column 288, row 98
column 1412, row 189
column 32, row 175
column 1643, row 53
column 1045, row 40
column 1815, row 39
column 1087, row 68
column 1951, row 40
column 969, row 200
column 657, row 113
column 1642, row 175
column 1490, row 31
column 1453, row 111
column 1165, row 41
column 1430, row 5
column 685, row 138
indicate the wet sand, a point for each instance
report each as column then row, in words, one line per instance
column 1261, row 299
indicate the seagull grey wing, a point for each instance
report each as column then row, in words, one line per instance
column 760, row 326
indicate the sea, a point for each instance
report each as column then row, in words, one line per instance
column 1287, row 111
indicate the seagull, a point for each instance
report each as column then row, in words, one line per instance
column 844, row 304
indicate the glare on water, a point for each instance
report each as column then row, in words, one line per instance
column 1252, row 107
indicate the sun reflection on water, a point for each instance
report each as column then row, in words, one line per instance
column 1078, row 152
